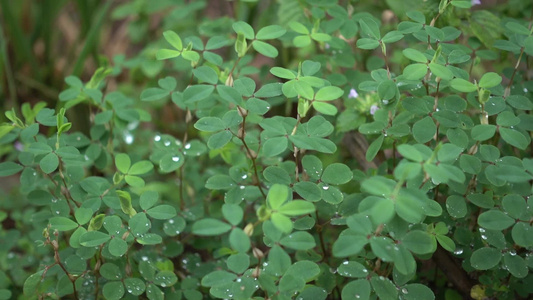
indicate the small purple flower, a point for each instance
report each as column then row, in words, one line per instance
column 19, row 146
column 476, row 2
column 353, row 94
column 373, row 109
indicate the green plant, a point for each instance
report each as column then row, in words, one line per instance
column 336, row 171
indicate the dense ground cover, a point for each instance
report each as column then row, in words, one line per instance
column 283, row 149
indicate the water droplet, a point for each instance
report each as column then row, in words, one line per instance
column 458, row 251
column 482, row 230
column 175, row 158
column 512, row 252
column 357, row 296
column 171, row 221
column 188, row 146
column 242, row 187
column 157, row 138
column 54, row 200
column 144, row 258
column 128, row 138
column 244, row 176
column 404, row 290
column 166, row 143
column 325, row 188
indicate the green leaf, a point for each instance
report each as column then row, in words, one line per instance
column 49, row 163
column 349, row 243
column 483, row 132
column 218, row 278
column 300, row 240
column 83, row 215
column 515, row 264
column 329, row 93
column 441, row 71
column 352, row 269
column 191, row 56
column 210, row 227
column 274, row 146
column 134, row 181
column 367, row 44
column 123, row 162
column 210, row 124
column 489, row 80
column 384, row 288
column 299, row 27
column 195, row 93
column 415, row 71
column 357, row 289
column 206, row 74
column 171, row 162
column 134, row 286
column 162, row 212
column 424, row 130
column 463, row 85
column 141, row 167
column 219, row 139
column 233, row 213
column 415, row 55
column 392, row 37
column 302, row 41
column 337, row 173
column 154, row 94
column 93, row 238
column 244, row 28
column 278, row 260
column 62, row 224
column 282, row 73
column 282, row 222
column 165, row 278
column 297, row 208
column 485, row 258
column 238, row 263
column 163, row 54
column 514, row 205
column 495, row 220
column 173, row 39
column 9, row 168
column 456, row 206
column 522, row 234
column 514, row 138
column 265, row 49
column 31, row 284
column 270, row 32
column 118, row 247
column 370, row 28
column 277, row 196
column 325, row 108
column 154, row 293
column 239, row 241
column 419, row 242
column 528, row 45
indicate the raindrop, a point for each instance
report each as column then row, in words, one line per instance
column 157, row 138
column 325, row 188
column 175, row 158
column 166, row 143
column 188, row 146
column 404, row 290
column 512, row 252
column 128, row 138
column 144, row 258
column 458, row 251
column 242, row 187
